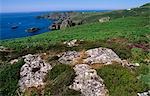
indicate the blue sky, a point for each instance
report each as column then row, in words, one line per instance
column 50, row 5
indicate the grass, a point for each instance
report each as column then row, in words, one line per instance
column 129, row 27
column 9, row 78
column 58, row 81
column 132, row 28
column 121, row 81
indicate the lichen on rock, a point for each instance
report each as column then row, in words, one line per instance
column 93, row 56
column 33, row 72
column 102, row 56
column 88, row 82
column 68, row 57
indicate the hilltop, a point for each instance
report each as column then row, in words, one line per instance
column 126, row 33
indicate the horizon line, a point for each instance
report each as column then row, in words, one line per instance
column 63, row 10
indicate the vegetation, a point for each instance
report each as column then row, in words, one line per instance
column 9, row 78
column 134, row 29
column 59, row 79
column 127, row 34
column 120, row 81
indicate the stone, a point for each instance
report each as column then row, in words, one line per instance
column 14, row 61
column 104, row 19
column 92, row 56
column 33, row 72
column 68, row 57
column 5, row 49
column 33, row 29
column 72, row 43
column 88, row 82
column 101, row 56
column 128, row 64
column 66, row 23
column 144, row 93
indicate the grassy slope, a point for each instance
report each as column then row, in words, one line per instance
column 135, row 29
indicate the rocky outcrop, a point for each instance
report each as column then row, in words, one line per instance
column 104, row 19
column 5, row 49
column 92, row 56
column 61, row 24
column 66, row 23
column 33, row 72
column 102, row 56
column 144, row 93
column 72, row 43
column 63, row 20
column 68, row 57
column 54, row 26
column 88, row 82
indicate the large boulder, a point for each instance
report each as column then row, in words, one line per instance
column 88, row 82
column 102, row 56
column 33, row 72
column 92, row 56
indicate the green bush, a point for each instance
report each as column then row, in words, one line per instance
column 120, row 81
column 9, row 77
column 58, row 81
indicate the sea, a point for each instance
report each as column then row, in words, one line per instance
column 24, row 21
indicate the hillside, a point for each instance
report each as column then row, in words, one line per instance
column 127, row 34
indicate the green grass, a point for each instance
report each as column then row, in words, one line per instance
column 58, row 81
column 9, row 78
column 132, row 28
column 121, row 81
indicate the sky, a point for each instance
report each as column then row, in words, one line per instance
column 54, row 5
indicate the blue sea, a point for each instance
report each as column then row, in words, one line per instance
column 23, row 21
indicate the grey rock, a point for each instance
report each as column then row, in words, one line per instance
column 68, row 57
column 33, row 72
column 102, row 56
column 14, row 61
column 93, row 56
column 104, row 19
column 88, row 82
column 66, row 23
column 33, row 29
column 144, row 93
column 5, row 49
column 128, row 64
column 72, row 43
